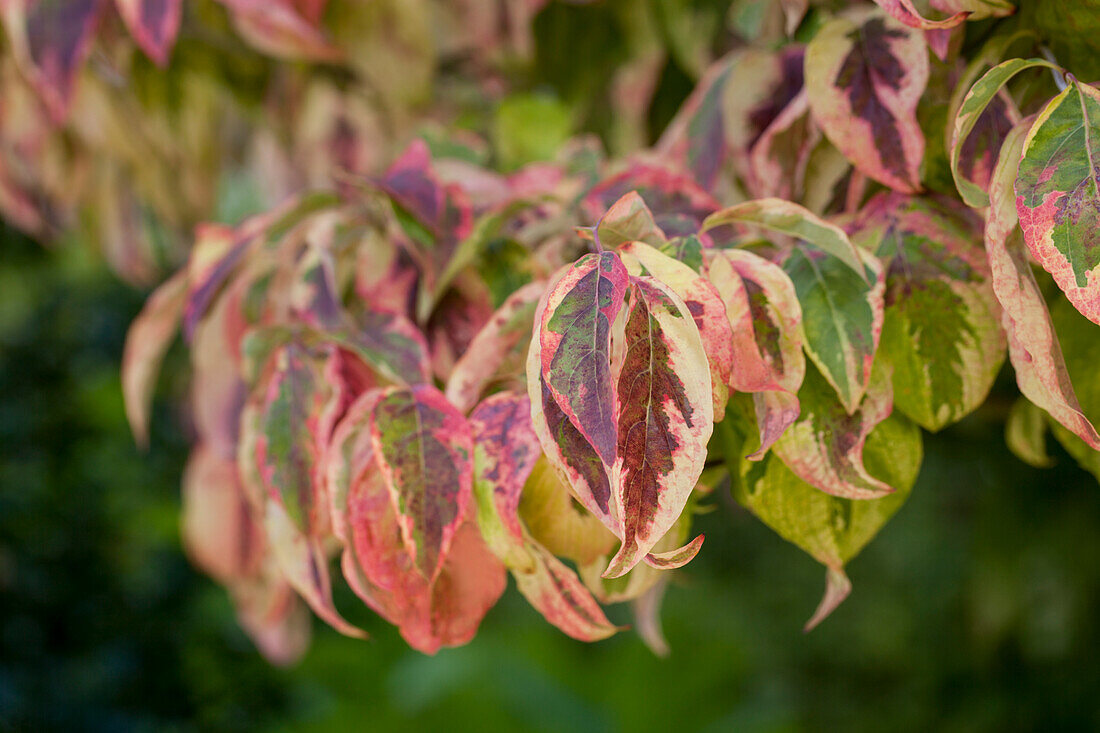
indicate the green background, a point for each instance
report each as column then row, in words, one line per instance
column 977, row 607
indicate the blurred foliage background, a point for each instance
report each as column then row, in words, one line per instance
column 977, row 608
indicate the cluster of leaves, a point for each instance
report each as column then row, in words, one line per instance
column 441, row 374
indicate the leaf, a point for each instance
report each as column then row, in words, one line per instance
column 575, row 343
column 508, row 331
column 1025, row 434
column 677, row 202
column 664, row 419
column 984, row 93
column 50, row 42
column 763, row 308
column 703, row 302
column 147, row 341
column 842, row 317
column 1033, row 345
column 778, row 159
column 559, row 523
column 507, row 450
column 279, row 28
column 154, row 24
column 1077, row 337
column 696, row 138
column 1058, row 194
column 864, row 80
column 425, row 453
column 824, row 447
column 907, row 13
column 793, row 220
column 833, row 530
column 629, row 220
column 377, row 562
column 942, row 333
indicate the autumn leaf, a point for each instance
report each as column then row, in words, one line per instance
column 154, row 24
column 864, row 78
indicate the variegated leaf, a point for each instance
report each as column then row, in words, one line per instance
column 557, row 522
column 830, row 529
column 1033, row 345
column 506, row 452
column 508, row 332
column 972, row 111
column 703, row 302
column 272, row 615
column 785, row 217
column 677, row 202
column 696, row 138
column 664, row 409
column 154, row 24
column 148, row 339
column 864, row 77
column 824, row 447
column 1058, row 194
column 575, row 343
column 778, row 159
column 763, row 308
column 50, row 41
column 942, row 332
column 425, row 453
column 842, row 317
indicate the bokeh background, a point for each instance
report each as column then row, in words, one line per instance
column 977, row 608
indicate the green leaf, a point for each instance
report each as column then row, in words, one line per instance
column 842, row 317
column 528, row 128
column 942, row 333
column 1058, row 194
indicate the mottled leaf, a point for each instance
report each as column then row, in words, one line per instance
column 154, row 24
column 942, row 332
column 763, row 308
column 149, row 337
column 1058, row 194
column 506, row 452
column 677, row 202
column 575, row 342
column 1033, row 345
column 703, row 302
column 864, row 79
column 793, row 220
column 664, row 419
column 910, row 15
column 842, row 317
column 824, row 447
column 559, row 523
column 425, row 452
column 981, row 96
column 778, row 159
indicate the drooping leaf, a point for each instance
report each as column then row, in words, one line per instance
column 793, row 220
column 864, row 78
column 972, row 111
column 147, row 341
column 763, row 308
column 425, row 453
column 1033, row 345
column 1058, row 194
column 830, row 529
column 664, row 413
column 1025, row 433
column 50, row 41
column 508, row 332
column 1081, row 347
column 154, row 24
column 704, row 303
column 575, row 343
column 557, row 522
column 506, row 452
column 825, row 446
column 842, row 317
column 942, row 333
